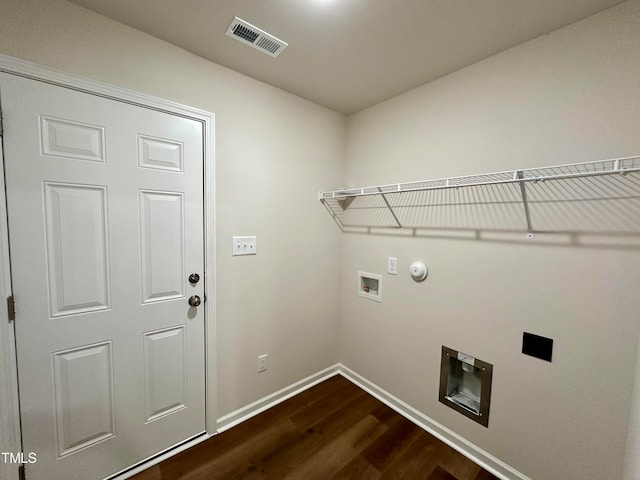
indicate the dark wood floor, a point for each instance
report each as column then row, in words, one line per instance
column 332, row 431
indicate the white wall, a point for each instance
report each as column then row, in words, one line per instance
column 570, row 96
column 273, row 153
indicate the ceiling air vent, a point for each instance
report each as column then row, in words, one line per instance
column 255, row 37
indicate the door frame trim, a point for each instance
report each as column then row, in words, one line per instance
column 22, row 68
column 11, row 440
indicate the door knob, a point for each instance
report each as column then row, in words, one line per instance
column 194, row 278
column 194, row 300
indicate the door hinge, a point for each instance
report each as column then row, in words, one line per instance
column 11, row 308
column 21, row 474
column 1, row 125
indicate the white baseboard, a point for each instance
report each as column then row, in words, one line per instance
column 245, row 413
column 455, row 441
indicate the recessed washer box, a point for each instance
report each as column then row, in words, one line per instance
column 370, row 286
column 465, row 384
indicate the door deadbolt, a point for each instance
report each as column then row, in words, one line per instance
column 194, row 278
column 194, row 300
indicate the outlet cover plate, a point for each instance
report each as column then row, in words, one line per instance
column 262, row 363
column 392, row 265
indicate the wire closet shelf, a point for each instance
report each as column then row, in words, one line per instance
column 339, row 201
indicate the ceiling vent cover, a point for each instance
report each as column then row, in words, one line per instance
column 255, row 37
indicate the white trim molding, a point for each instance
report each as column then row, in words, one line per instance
column 245, row 413
column 10, row 439
column 631, row 462
column 455, row 441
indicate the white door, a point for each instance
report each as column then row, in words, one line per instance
column 105, row 206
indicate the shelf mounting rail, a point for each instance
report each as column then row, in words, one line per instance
column 616, row 166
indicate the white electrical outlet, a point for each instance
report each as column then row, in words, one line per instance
column 245, row 245
column 262, row 363
column 392, row 265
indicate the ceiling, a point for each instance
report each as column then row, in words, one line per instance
column 350, row 54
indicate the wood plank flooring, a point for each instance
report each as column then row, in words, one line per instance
column 332, row 431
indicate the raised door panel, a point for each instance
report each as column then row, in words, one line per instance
column 160, row 153
column 77, row 248
column 165, row 372
column 162, row 243
column 84, row 404
column 70, row 139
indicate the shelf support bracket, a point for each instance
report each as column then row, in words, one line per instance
column 525, row 202
column 384, row 197
column 345, row 202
